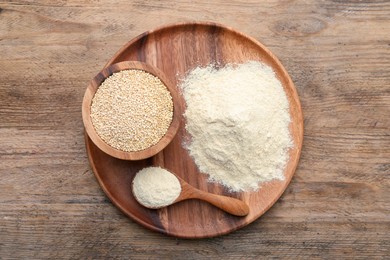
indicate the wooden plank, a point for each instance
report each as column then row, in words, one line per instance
column 338, row 55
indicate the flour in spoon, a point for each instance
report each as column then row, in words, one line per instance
column 238, row 121
column 154, row 187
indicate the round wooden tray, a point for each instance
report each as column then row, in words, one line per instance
column 175, row 50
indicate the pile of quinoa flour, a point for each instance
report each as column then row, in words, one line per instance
column 238, row 118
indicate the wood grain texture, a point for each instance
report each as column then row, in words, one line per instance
column 231, row 205
column 338, row 203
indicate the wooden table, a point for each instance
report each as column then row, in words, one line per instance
column 338, row 203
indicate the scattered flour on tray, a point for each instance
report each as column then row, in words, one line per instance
column 238, row 119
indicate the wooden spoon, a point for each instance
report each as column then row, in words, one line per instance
column 146, row 180
column 231, row 205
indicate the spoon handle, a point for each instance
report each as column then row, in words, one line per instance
column 231, row 205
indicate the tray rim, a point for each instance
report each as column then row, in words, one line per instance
column 298, row 148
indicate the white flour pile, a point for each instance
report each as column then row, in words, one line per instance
column 155, row 187
column 238, row 118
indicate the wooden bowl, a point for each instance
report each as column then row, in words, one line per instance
column 86, row 111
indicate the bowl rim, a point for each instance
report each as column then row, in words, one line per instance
column 86, row 111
